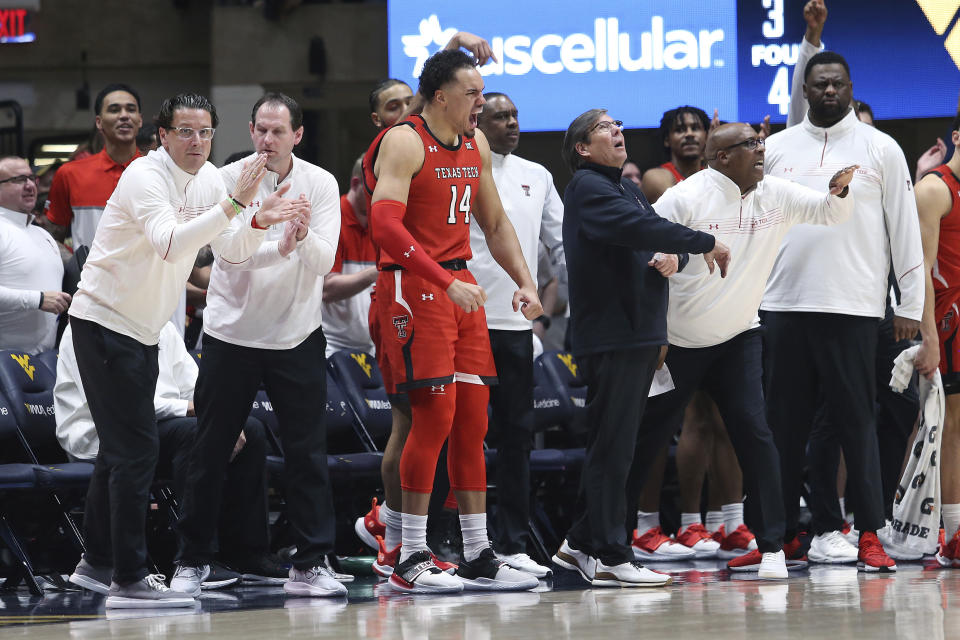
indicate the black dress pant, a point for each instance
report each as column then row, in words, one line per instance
column 896, row 415
column 119, row 377
column 617, row 387
column 511, row 432
column 244, row 529
column 732, row 374
column 296, row 382
column 828, row 359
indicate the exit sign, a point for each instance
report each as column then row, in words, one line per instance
column 14, row 26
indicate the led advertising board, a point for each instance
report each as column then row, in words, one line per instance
column 638, row 58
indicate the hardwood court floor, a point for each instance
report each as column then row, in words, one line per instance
column 707, row 603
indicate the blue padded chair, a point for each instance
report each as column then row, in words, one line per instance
column 551, row 407
column 28, row 383
column 358, row 375
column 563, row 372
column 15, row 476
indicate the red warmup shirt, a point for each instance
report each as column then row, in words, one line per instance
column 946, row 270
column 355, row 244
column 441, row 193
column 669, row 166
column 80, row 191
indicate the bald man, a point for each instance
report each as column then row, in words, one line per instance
column 712, row 323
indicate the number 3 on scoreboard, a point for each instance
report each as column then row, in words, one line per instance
column 464, row 205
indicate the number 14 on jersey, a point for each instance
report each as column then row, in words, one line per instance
column 463, row 206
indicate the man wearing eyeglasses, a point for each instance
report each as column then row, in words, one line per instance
column 612, row 239
column 262, row 325
column 712, row 324
column 165, row 208
column 81, row 188
column 31, row 271
column 827, row 293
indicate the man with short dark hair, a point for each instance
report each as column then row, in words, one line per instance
column 683, row 133
column 262, row 325
column 618, row 306
column 31, row 272
column 826, row 295
column 535, row 210
column 429, row 176
column 81, row 188
column 163, row 210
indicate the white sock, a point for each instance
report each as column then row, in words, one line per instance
column 843, row 508
column 714, row 521
column 414, row 535
column 394, row 523
column 473, row 528
column 732, row 516
column 647, row 521
column 951, row 519
column 687, row 519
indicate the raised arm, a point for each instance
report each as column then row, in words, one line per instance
column 815, row 15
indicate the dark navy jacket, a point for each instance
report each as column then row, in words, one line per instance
column 610, row 233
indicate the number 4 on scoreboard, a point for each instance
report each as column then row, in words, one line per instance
column 780, row 90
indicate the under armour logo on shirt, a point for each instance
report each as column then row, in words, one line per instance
column 426, row 296
column 469, row 145
column 432, row 148
column 406, row 254
column 526, row 189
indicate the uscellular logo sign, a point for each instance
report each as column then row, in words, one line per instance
column 940, row 14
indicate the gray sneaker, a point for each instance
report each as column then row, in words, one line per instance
column 318, row 581
column 92, row 578
column 189, row 579
column 148, row 593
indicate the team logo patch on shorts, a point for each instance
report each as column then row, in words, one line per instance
column 401, row 322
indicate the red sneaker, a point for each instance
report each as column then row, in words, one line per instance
column 872, row 557
column 794, row 550
column 737, row 543
column 948, row 555
column 699, row 539
column 654, row 545
column 386, row 560
column 369, row 527
column 749, row 561
column 719, row 535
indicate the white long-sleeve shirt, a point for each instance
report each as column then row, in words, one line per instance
column 157, row 219
column 175, row 384
column 272, row 301
column 705, row 309
column 843, row 269
column 30, row 264
column 536, row 211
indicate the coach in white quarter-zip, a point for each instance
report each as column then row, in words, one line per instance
column 165, row 207
column 263, row 325
column 827, row 294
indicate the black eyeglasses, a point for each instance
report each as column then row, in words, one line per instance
column 605, row 125
column 21, row 180
column 749, row 144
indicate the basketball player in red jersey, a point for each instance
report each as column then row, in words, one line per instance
column 938, row 203
column 430, row 174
